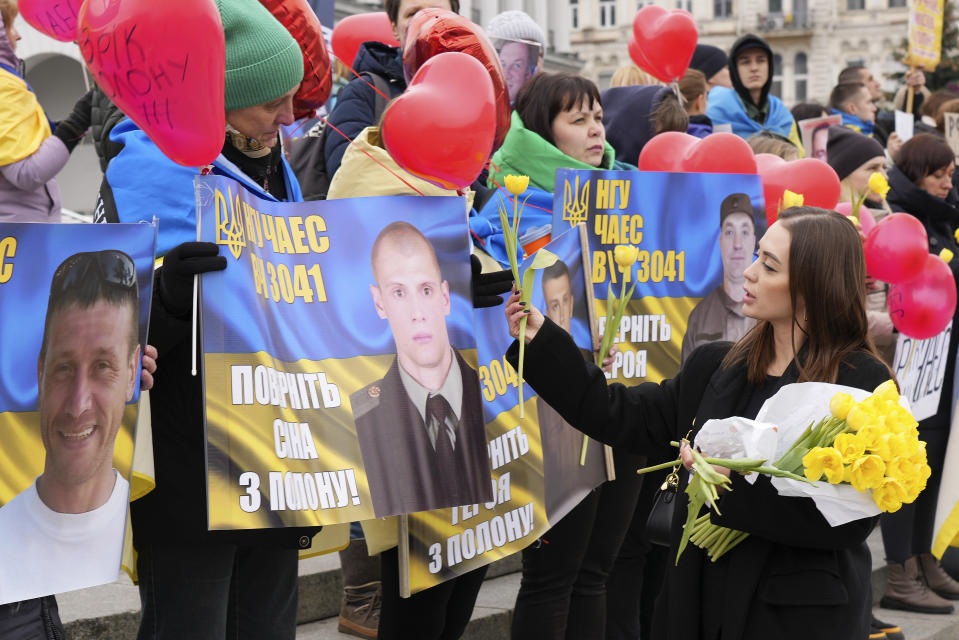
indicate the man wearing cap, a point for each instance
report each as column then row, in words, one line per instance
column 747, row 107
column 719, row 316
column 514, row 33
column 195, row 583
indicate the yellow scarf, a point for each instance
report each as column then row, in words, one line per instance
column 23, row 125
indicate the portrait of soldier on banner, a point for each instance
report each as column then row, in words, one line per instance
column 719, row 316
column 420, row 426
column 73, row 432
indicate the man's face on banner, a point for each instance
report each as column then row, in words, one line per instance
column 411, row 294
column 737, row 240
column 514, row 56
column 559, row 301
column 85, row 380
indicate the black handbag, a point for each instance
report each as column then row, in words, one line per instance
column 660, row 519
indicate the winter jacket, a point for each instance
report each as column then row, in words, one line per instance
column 355, row 103
column 700, row 126
column 104, row 115
column 142, row 182
column 628, row 117
column 526, row 153
column 941, row 220
column 735, row 106
column 30, row 157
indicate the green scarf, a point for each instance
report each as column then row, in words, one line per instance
column 525, row 153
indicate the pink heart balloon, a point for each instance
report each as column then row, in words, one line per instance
column 55, row 18
column 163, row 63
column 667, row 39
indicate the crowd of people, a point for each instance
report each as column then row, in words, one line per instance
column 804, row 310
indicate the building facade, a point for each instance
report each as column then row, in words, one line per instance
column 812, row 40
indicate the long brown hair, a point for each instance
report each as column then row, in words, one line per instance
column 827, row 270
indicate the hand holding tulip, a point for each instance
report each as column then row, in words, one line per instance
column 516, row 310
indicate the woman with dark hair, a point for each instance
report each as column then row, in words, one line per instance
column 921, row 184
column 557, row 123
column 795, row 575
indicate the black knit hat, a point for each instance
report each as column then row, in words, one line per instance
column 847, row 150
column 708, row 59
column 735, row 203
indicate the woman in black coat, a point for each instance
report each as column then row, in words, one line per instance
column 794, row 576
column 921, row 184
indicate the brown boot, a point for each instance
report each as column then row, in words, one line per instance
column 936, row 577
column 360, row 613
column 906, row 591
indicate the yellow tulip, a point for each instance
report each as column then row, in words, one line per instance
column 517, row 184
column 867, row 472
column 887, row 390
column 850, row 446
column 956, row 235
column 889, row 495
column 791, row 199
column 946, row 255
column 854, row 220
column 902, row 445
column 859, row 416
column 840, row 405
column 870, row 436
column 878, row 184
column 625, row 255
column 823, row 460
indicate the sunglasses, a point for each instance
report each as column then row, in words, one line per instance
column 114, row 267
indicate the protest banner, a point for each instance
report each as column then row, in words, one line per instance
column 925, row 35
column 815, row 135
column 317, row 363
column 952, row 131
column 920, row 368
column 946, row 523
column 76, row 300
column 537, row 477
column 686, row 269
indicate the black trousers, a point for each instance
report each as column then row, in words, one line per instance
column 909, row 531
column 36, row 619
column 217, row 592
column 563, row 592
column 438, row 613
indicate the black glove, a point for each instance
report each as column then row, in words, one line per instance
column 72, row 128
column 180, row 264
column 488, row 287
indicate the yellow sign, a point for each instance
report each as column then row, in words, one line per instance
column 925, row 34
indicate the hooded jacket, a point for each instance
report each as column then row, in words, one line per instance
column 30, row 157
column 941, row 220
column 736, row 107
column 526, row 153
column 355, row 107
column 628, row 117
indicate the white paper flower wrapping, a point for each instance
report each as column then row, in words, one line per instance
column 779, row 423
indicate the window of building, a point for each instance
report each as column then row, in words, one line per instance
column 777, row 88
column 801, row 76
column 607, row 13
column 476, row 15
column 574, row 13
column 855, row 5
column 775, row 7
column 722, row 8
column 685, row 4
column 896, row 3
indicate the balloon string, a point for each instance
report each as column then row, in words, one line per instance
column 368, row 83
column 368, row 155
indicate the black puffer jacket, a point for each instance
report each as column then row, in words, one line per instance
column 104, row 115
column 941, row 219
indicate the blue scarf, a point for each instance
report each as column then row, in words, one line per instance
column 725, row 106
column 854, row 122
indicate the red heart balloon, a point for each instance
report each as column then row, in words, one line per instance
column 165, row 72
column 298, row 18
column 667, row 40
column 452, row 146
column 924, row 306
column 352, row 31
column 636, row 54
column 55, row 18
column 681, row 152
column 435, row 31
column 896, row 249
column 815, row 180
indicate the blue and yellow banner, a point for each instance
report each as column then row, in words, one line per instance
column 535, row 456
column 339, row 359
column 75, row 301
column 695, row 232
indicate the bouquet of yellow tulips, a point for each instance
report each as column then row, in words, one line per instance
column 871, row 448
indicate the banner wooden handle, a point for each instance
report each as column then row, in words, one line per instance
column 910, row 93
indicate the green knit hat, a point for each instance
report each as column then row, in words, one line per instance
column 263, row 61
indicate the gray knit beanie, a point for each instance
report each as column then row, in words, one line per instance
column 515, row 25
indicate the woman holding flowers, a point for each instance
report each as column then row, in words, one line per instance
column 794, row 576
column 921, row 184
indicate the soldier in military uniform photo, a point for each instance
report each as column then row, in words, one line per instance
column 420, row 427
